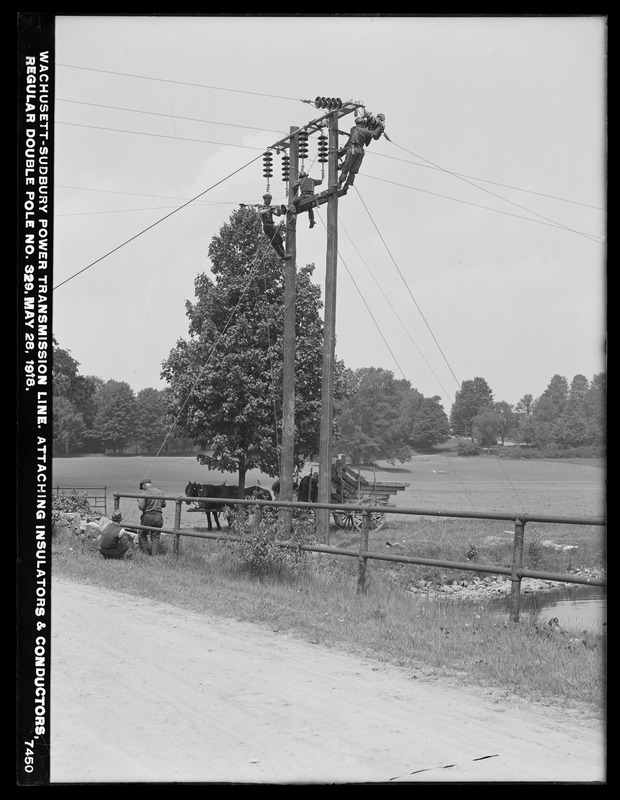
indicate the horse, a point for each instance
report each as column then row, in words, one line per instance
column 222, row 492
column 211, row 490
column 308, row 491
column 275, row 486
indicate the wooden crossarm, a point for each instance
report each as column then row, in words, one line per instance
column 318, row 199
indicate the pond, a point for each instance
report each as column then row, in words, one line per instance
column 577, row 608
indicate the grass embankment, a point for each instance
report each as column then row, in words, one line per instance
column 317, row 601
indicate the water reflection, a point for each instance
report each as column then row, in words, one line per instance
column 576, row 608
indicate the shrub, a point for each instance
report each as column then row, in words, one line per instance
column 257, row 545
column 469, row 449
column 535, row 553
column 73, row 503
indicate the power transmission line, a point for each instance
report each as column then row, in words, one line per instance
column 158, row 135
column 170, row 116
column 592, row 237
column 180, row 83
column 493, row 194
column 374, row 154
column 408, row 288
column 552, row 224
column 427, row 165
column 144, row 230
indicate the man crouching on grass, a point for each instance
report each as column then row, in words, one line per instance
column 115, row 542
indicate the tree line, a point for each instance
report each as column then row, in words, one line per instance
column 223, row 399
column 96, row 416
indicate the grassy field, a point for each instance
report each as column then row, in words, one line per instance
column 436, row 482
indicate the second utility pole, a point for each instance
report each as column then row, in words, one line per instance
column 287, row 461
column 329, row 334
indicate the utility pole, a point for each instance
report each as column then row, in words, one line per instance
column 287, row 459
column 329, row 334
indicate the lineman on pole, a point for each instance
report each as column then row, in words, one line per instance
column 272, row 231
column 305, row 184
column 366, row 129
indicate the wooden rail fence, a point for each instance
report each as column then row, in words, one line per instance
column 516, row 571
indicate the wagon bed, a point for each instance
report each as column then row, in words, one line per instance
column 351, row 487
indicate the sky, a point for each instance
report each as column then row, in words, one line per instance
column 473, row 243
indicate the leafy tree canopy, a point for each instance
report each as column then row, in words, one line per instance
column 226, row 379
column 152, row 422
column 556, row 393
column 428, row 423
column 384, row 418
column 116, row 415
column 469, row 401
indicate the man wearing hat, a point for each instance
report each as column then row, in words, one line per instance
column 115, row 542
column 305, row 185
column 361, row 136
column 272, row 231
column 151, row 506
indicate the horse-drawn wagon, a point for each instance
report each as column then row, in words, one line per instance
column 351, row 488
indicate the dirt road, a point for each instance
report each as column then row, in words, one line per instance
column 146, row 692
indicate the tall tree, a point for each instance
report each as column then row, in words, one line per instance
column 152, row 424
column 473, row 396
column 557, row 393
column 116, row 415
column 525, row 406
column 570, row 429
column 486, row 426
column 80, row 392
column 428, row 424
column 69, row 426
column 595, row 407
column 226, row 379
column 88, row 409
column 577, row 394
column 524, row 422
column 544, row 416
column 506, row 419
column 373, row 422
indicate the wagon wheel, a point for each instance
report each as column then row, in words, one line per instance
column 305, row 515
column 377, row 518
column 344, row 520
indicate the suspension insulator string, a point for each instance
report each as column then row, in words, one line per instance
column 267, row 167
column 303, row 147
column 286, row 161
column 322, row 157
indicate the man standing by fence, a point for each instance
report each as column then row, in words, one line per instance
column 151, row 506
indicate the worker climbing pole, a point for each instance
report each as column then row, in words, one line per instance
column 366, row 129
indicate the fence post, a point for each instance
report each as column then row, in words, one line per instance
column 362, row 560
column 258, row 516
column 117, row 504
column 176, row 546
column 517, row 563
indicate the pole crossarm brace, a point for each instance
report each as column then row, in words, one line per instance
column 318, row 124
